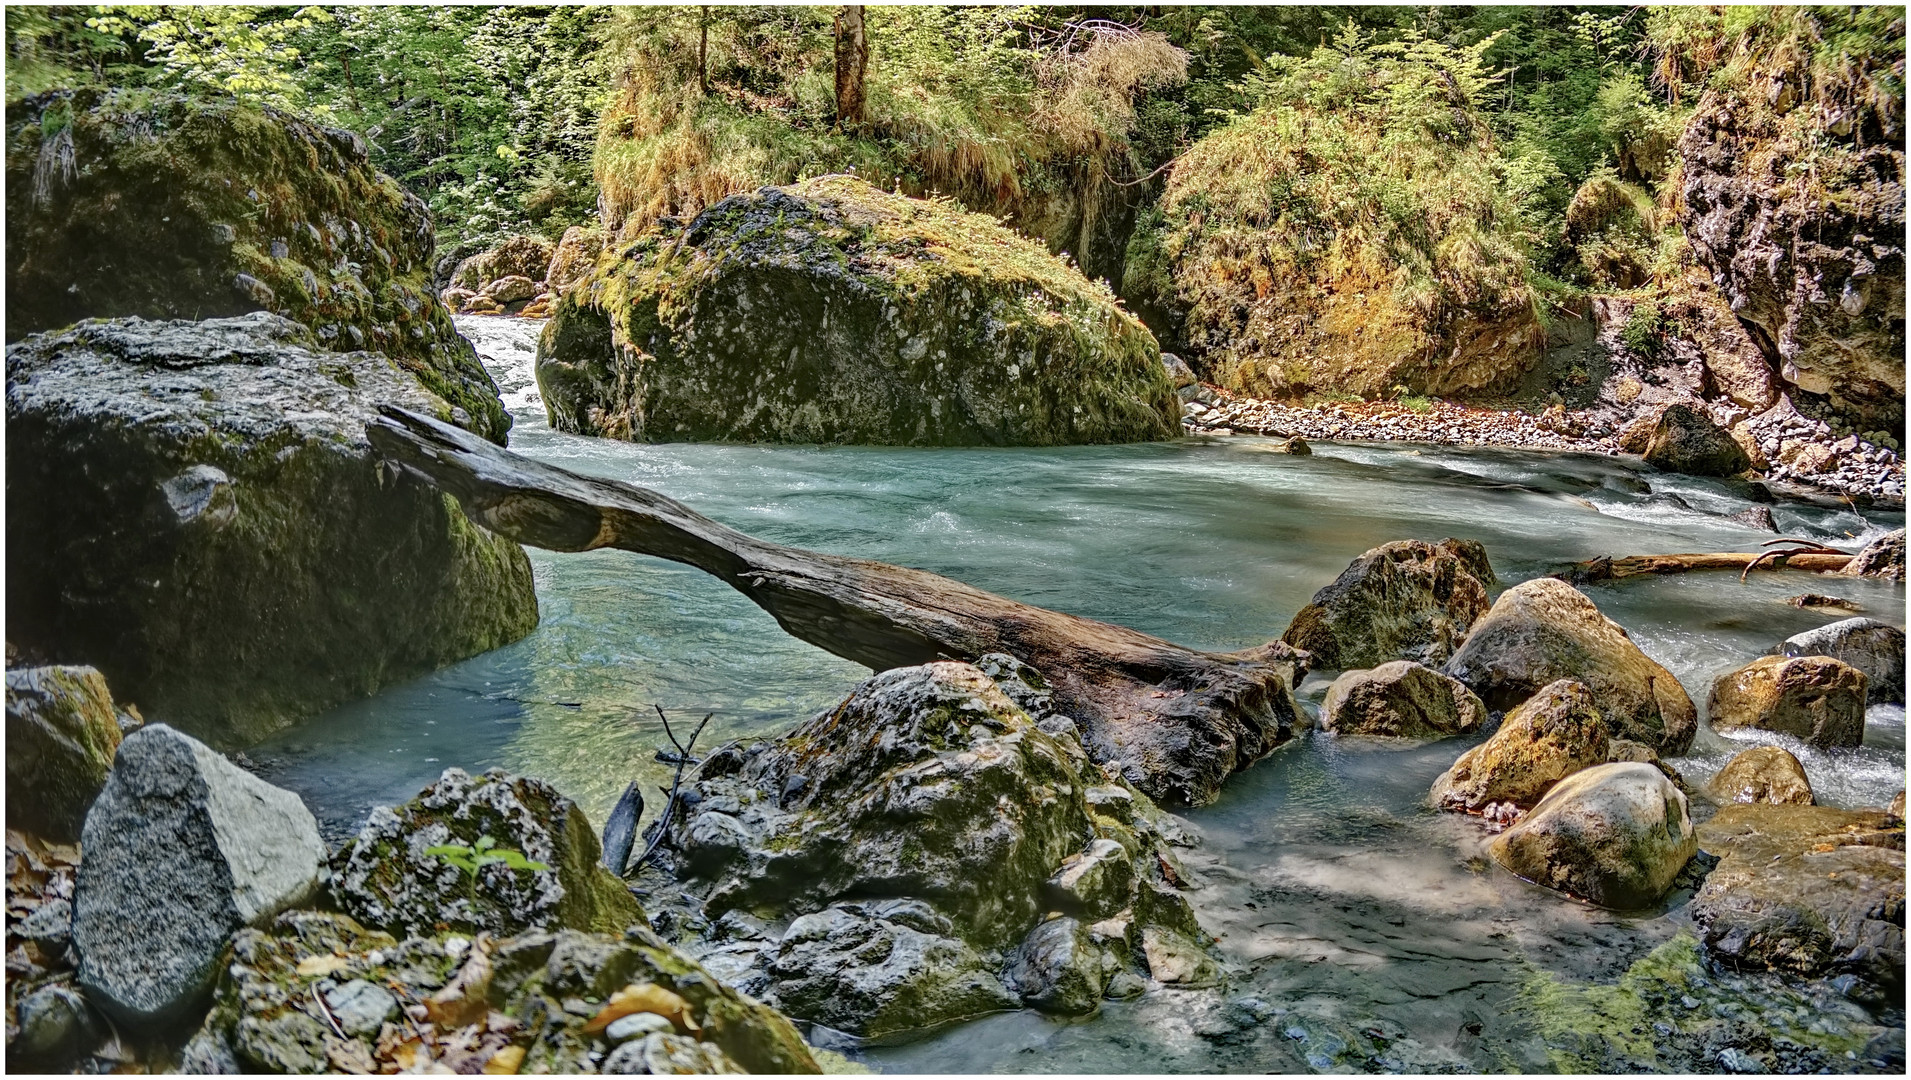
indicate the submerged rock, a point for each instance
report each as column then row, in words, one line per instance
column 1763, row 774
column 1408, row 600
column 193, row 509
column 1400, row 699
column 62, row 731
column 1882, row 558
column 533, row 1003
column 1873, row 647
column 1814, row 698
column 1552, row 735
column 1615, row 834
column 1543, row 630
column 1685, row 440
column 181, row 849
column 170, row 207
column 831, row 311
column 1807, row 890
column 389, row 876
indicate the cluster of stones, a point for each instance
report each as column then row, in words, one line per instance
column 523, row 275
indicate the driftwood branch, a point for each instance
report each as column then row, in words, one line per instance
column 1178, row 721
column 1814, row 559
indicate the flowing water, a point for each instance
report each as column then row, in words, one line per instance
column 1363, row 931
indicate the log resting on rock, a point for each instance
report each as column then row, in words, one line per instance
column 1179, row 720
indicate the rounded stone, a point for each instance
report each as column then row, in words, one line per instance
column 1401, row 699
column 1555, row 733
column 1813, row 698
column 1763, row 774
column 1615, row 834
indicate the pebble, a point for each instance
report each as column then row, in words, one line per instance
column 636, row 1025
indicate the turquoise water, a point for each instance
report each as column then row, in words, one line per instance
column 1366, row 908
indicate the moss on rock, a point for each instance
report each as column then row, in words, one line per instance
column 832, row 311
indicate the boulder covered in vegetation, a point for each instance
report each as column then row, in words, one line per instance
column 1400, row 699
column 933, row 823
column 495, row 853
column 1552, row 735
column 1814, row 698
column 1543, row 630
column 831, row 311
column 1763, row 774
column 315, row 992
column 194, row 510
column 181, row 849
column 62, row 732
column 1615, row 834
column 176, row 208
column 1408, row 600
column 1811, row 260
column 1353, row 235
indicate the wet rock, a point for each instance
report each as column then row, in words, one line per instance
column 1544, row 630
column 1615, row 834
column 574, row 258
column 510, row 290
column 1814, row 698
column 1550, row 736
column 182, row 848
column 1897, row 805
column 62, row 731
column 1806, row 890
column 191, row 208
column 831, row 311
column 1822, row 602
column 146, row 459
column 1763, row 774
column 55, row 1026
column 1400, row 699
column 388, row 876
column 1096, row 883
column 1685, row 440
column 1058, row 969
column 1408, row 600
column 1882, row 558
column 533, row 1003
column 1873, row 647
column 1756, row 517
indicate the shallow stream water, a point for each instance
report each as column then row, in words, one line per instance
column 1363, row 930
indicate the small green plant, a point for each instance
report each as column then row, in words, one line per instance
column 1644, row 331
column 480, row 855
column 1418, row 403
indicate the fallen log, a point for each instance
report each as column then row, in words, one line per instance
column 1177, row 722
column 1607, row 568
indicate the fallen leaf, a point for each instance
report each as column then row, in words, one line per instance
column 325, row 964
column 462, row 1000
column 505, row 1062
column 643, row 997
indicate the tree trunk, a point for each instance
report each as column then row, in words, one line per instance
column 1176, row 722
column 852, row 62
column 703, row 50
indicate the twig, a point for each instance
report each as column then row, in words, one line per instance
column 684, row 757
column 327, row 1010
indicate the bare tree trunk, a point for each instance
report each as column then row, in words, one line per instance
column 703, row 50
column 1177, row 722
column 852, row 63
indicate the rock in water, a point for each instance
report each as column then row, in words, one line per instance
column 1882, row 558
column 1814, row 698
column 1873, row 647
column 1763, row 774
column 388, row 878
column 1401, row 699
column 1408, row 600
column 1543, row 630
column 182, row 848
column 1808, row 890
column 1685, row 440
column 1550, row 736
column 62, row 731
column 177, row 208
column 193, row 509
column 831, row 311
column 620, row 828
column 1614, row 834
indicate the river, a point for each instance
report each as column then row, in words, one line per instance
column 1363, row 930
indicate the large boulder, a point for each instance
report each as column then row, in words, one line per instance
column 1763, row 774
column 1408, row 600
column 1614, row 834
column 518, row 255
column 181, row 849
column 1806, row 890
column 1873, row 647
column 832, row 311
column 1814, row 698
column 315, row 992
column 929, row 821
column 495, row 852
column 1543, row 630
column 1685, row 440
column 174, row 208
column 1882, row 558
column 62, row 731
column 574, row 258
column 1550, row 736
column 1401, row 699
column 193, row 509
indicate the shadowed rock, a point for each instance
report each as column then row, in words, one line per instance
column 1400, row 699
column 1408, row 600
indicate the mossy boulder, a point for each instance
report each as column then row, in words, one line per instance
column 389, row 877
column 317, row 992
column 1552, row 735
column 174, row 208
column 1685, row 440
column 831, row 311
column 194, row 510
column 1400, row 699
column 1408, row 600
column 62, row 731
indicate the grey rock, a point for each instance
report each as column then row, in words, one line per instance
column 1685, row 440
column 1882, row 558
column 361, row 1007
column 1097, row 883
column 182, row 848
column 55, row 1026
column 1734, row 1060
column 1057, row 969
column 1408, row 600
column 636, row 1026
column 208, row 1053
column 662, row 1054
column 50, row 924
column 1873, row 647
